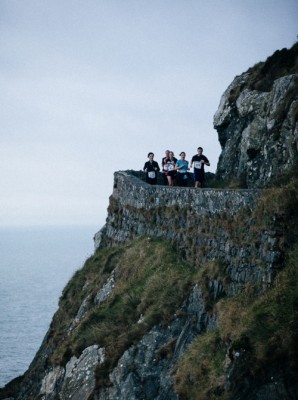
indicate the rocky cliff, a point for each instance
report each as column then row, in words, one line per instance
column 190, row 294
column 257, row 122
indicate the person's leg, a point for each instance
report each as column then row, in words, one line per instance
column 165, row 179
column 174, row 179
column 184, row 182
column 198, row 179
column 179, row 180
column 201, row 179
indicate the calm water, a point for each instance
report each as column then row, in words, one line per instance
column 35, row 265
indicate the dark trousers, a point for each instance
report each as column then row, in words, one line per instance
column 180, row 179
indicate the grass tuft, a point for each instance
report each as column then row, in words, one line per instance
column 200, row 373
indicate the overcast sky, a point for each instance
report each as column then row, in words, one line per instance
column 89, row 87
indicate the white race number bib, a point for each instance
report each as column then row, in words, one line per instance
column 151, row 174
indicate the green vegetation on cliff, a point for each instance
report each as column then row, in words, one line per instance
column 151, row 281
column 283, row 62
column 262, row 76
column 261, row 332
column 257, row 330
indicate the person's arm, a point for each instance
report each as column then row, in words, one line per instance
column 206, row 161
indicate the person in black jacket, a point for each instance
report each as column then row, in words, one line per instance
column 199, row 161
column 151, row 169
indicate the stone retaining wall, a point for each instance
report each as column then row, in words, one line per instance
column 207, row 225
column 130, row 190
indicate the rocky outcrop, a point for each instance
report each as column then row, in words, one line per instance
column 76, row 381
column 257, row 126
column 144, row 371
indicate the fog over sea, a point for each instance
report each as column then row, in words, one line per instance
column 35, row 265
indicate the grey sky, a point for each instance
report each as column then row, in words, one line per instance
column 89, row 87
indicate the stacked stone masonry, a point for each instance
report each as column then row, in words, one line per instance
column 201, row 222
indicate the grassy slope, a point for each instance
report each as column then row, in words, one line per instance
column 151, row 281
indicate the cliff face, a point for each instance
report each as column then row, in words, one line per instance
column 257, row 122
column 190, row 294
column 173, row 276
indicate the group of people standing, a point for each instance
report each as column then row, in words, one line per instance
column 175, row 171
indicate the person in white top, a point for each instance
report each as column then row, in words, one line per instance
column 164, row 167
column 170, row 168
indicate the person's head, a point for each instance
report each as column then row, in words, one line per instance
column 167, row 153
column 150, row 156
column 200, row 150
column 171, row 154
column 182, row 154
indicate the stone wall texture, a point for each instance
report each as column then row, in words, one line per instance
column 205, row 224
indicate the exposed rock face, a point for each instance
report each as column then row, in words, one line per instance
column 258, row 129
column 76, row 381
column 144, row 370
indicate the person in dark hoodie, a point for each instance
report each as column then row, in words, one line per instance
column 151, row 168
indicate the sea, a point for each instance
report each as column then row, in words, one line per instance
column 35, row 265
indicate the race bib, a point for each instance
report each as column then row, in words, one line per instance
column 165, row 167
column 198, row 164
column 170, row 167
column 151, row 174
